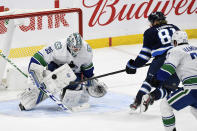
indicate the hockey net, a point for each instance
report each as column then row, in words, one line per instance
column 24, row 32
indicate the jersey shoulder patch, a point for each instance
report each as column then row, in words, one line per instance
column 58, row 45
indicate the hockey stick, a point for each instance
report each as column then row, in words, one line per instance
column 107, row 74
column 8, row 60
column 40, row 86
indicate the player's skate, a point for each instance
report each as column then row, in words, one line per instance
column 147, row 100
column 134, row 106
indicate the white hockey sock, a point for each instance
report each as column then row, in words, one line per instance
column 194, row 112
column 167, row 115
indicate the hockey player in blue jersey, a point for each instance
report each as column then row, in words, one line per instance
column 182, row 60
column 156, row 42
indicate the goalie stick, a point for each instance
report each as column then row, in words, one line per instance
column 8, row 60
column 107, row 74
column 41, row 86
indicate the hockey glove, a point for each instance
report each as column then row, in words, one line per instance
column 52, row 66
column 129, row 68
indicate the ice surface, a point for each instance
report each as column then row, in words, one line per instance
column 110, row 113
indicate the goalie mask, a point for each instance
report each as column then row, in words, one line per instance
column 179, row 37
column 74, row 43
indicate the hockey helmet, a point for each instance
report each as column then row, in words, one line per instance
column 74, row 43
column 156, row 16
column 180, row 37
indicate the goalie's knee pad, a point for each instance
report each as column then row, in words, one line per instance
column 96, row 89
column 37, row 70
column 73, row 98
column 31, row 97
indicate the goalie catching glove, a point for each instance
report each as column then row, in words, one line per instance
column 96, row 88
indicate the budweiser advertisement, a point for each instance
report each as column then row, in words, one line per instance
column 101, row 18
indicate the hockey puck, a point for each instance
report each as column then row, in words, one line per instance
column 54, row 76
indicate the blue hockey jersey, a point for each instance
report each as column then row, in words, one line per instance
column 156, row 41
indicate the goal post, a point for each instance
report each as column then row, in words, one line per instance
column 23, row 32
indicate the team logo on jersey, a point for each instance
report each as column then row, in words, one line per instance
column 68, row 75
column 58, row 45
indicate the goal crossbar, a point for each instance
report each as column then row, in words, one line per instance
column 42, row 13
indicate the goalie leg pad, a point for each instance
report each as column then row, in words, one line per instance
column 96, row 88
column 59, row 78
column 37, row 70
column 31, row 97
column 75, row 98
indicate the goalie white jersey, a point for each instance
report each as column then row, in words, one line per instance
column 59, row 54
column 183, row 60
column 62, row 58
